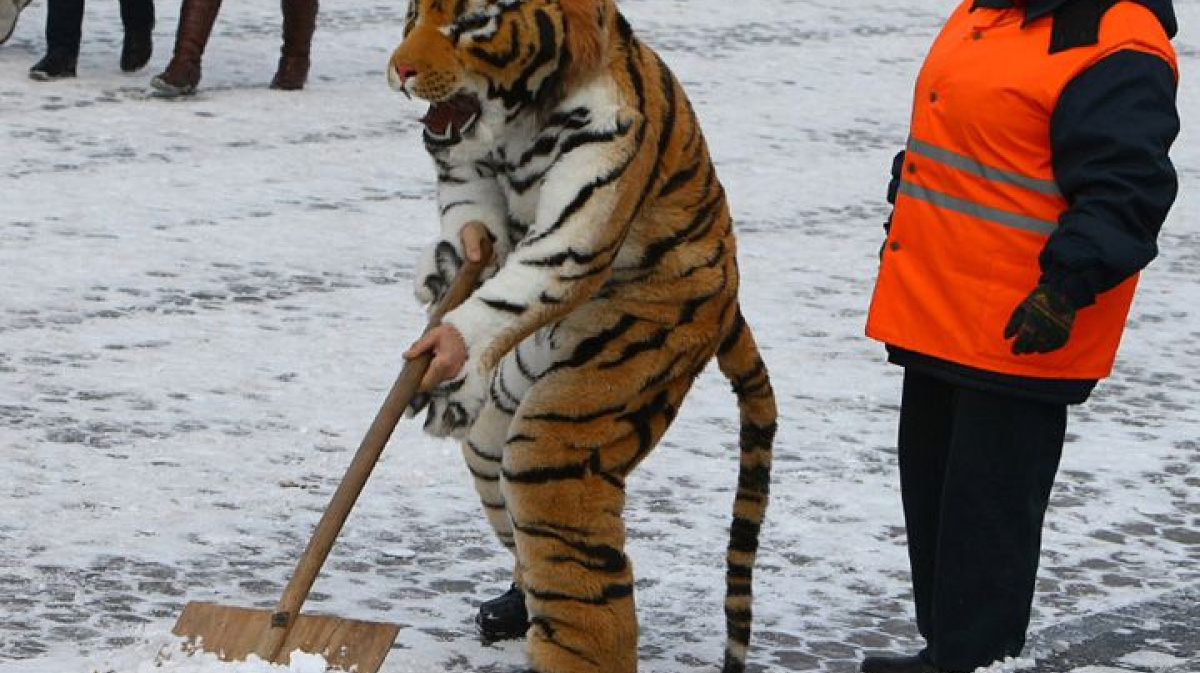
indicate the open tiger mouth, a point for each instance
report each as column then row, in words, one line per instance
column 447, row 120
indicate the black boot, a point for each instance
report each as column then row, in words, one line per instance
column 138, row 19
column 136, row 51
column 913, row 664
column 54, row 65
column 503, row 617
column 64, row 25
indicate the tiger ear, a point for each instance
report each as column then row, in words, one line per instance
column 583, row 23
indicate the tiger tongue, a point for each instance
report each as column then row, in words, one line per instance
column 438, row 118
column 455, row 113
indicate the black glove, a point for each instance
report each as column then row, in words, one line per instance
column 1041, row 323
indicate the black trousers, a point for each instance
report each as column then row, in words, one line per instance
column 976, row 470
column 64, row 23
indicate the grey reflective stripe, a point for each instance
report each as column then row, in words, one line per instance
column 965, row 163
column 975, row 210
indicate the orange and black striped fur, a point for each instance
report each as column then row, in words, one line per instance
column 617, row 281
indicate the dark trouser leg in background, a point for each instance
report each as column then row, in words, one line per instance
column 64, row 26
column 299, row 23
column 976, row 473
column 138, row 18
column 182, row 76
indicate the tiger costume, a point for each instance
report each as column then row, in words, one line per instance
column 616, row 282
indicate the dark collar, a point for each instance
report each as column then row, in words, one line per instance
column 1076, row 22
column 1034, row 10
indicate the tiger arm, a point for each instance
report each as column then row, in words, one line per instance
column 567, row 255
column 465, row 193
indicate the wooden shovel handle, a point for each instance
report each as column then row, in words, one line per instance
column 364, row 462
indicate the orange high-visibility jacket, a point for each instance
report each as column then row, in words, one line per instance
column 978, row 199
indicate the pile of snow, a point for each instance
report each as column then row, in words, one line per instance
column 158, row 651
column 179, row 661
column 166, row 654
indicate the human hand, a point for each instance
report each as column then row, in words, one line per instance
column 1041, row 323
column 448, row 353
column 449, row 390
column 472, row 241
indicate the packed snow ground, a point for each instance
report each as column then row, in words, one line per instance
column 202, row 303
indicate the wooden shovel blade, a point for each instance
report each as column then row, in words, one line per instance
column 233, row 634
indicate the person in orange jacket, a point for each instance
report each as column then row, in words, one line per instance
column 1031, row 192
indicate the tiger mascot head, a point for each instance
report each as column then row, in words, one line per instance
column 465, row 55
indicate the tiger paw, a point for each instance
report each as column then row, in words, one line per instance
column 453, row 406
column 435, row 270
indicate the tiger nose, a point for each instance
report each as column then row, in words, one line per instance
column 399, row 74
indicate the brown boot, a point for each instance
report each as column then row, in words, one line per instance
column 299, row 22
column 196, row 18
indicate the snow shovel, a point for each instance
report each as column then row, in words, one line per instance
column 233, row 633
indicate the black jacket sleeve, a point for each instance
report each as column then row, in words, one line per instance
column 1110, row 134
column 894, row 186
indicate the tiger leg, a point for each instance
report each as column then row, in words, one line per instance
column 483, row 451
column 577, row 435
column 484, row 447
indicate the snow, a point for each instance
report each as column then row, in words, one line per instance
column 204, row 302
column 164, row 655
column 1152, row 660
